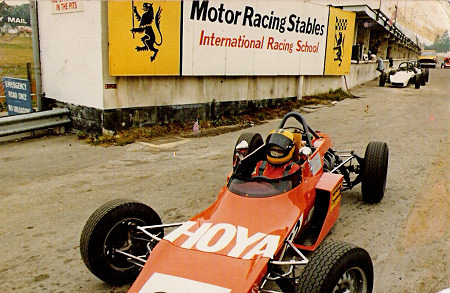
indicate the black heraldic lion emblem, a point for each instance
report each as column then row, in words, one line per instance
column 145, row 27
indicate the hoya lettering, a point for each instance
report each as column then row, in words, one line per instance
column 202, row 239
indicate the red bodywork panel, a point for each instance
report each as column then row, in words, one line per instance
column 332, row 185
column 230, row 243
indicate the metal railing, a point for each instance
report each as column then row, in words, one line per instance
column 34, row 121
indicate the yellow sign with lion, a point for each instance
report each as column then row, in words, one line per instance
column 144, row 37
column 341, row 28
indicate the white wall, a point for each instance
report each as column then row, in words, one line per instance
column 71, row 54
column 74, row 59
column 162, row 91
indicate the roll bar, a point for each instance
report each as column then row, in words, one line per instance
column 302, row 121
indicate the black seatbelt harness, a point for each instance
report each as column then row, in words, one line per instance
column 262, row 167
column 288, row 169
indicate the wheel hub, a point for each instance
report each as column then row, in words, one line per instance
column 352, row 281
column 120, row 237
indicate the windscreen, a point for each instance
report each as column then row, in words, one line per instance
column 260, row 186
column 427, row 53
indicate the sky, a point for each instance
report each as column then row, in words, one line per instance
column 14, row 2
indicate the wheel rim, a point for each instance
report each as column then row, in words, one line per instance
column 121, row 237
column 353, row 280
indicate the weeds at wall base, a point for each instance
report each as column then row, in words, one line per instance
column 210, row 127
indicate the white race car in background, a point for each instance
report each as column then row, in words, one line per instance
column 406, row 73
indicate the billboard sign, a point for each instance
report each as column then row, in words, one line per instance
column 144, row 37
column 233, row 38
column 341, row 28
column 18, row 95
column 253, row 38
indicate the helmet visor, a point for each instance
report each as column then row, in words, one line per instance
column 279, row 145
column 276, row 152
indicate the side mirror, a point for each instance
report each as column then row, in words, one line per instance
column 242, row 145
column 239, row 152
column 305, row 151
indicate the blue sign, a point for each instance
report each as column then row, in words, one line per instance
column 18, row 95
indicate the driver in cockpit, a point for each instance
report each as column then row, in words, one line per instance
column 280, row 151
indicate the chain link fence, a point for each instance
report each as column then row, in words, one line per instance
column 16, row 45
column 16, row 60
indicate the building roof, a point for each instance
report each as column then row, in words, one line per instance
column 377, row 20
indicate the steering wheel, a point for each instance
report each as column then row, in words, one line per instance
column 406, row 66
column 403, row 66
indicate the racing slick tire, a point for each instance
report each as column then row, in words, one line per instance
column 113, row 226
column 423, row 79
column 383, row 78
column 337, row 267
column 254, row 141
column 417, row 81
column 374, row 172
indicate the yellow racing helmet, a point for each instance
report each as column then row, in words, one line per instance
column 280, row 146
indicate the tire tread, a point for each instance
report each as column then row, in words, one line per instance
column 375, row 170
column 97, row 221
column 92, row 223
column 324, row 260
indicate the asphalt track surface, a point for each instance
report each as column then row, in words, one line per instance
column 51, row 185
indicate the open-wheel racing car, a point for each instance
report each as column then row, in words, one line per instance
column 446, row 63
column 260, row 235
column 407, row 73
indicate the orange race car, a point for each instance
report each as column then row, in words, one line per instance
column 261, row 235
column 446, row 63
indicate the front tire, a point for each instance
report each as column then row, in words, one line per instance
column 337, row 267
column 374, row 172
column 113, row 226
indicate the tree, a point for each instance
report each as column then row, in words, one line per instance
column 441, row 43
column 14, row 11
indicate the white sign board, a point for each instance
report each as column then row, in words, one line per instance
column 253, row 37
column 66, row 6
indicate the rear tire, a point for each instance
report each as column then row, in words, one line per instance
column 374, row 172
column 337, row 267
column 427, row 75
column 113, row 226
column 417, row 81
column 423, row 79
column 254, row 141
column 329, row 161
